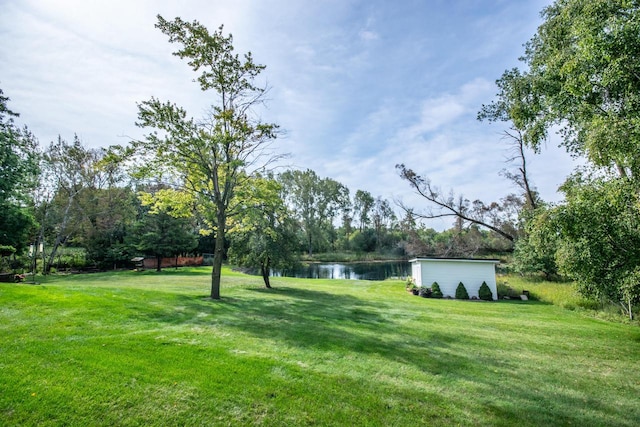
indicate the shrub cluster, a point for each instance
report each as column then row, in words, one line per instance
column 484, row 293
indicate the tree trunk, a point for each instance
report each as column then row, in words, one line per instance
column 60, row 237
column 218, row 256
column 525, row 176
column 266, row 269
column 158, row 263
column 51, row 258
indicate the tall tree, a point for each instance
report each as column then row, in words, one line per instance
column 334, row 204
column 165, row 229
column 71, row 170
column 517, row 104
column 382, row 215
column 316, row 202
column 583, row 76
column 598, row 231
column 264, row 236
column 19, row 171
column 362, row 203
column 583, row 79
column 211, row 157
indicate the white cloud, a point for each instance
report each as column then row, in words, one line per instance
column 368, row 35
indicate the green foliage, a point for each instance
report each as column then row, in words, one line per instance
column 599, row 243
column 6, row 250
column 517, row 102
column 72, row 258
column 264, row 236
column 580, row 62
column 484, row 293
column 363, row 241
column 435, row 290
column 535, row 252
column 580, row 80
column 17, row 225
column 461, row 292
column 19, row 157
column 209, row 158
column 19, row 170
column 161, row 234
column 316, row 202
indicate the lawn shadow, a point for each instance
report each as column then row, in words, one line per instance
column 339, row 324
column 318, row 320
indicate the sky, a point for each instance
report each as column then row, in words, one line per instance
column 357, row 86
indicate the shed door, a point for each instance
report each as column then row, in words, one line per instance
column 416, row 272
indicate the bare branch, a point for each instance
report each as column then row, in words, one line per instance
column 448, row 207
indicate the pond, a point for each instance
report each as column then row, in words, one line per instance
column 355, row 271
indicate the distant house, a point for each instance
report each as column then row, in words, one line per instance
column 448, row 272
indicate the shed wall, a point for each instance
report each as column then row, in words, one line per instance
column 449, row 273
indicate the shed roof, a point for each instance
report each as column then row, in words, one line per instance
column 469, row 260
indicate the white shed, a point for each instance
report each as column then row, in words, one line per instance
column 448, row 272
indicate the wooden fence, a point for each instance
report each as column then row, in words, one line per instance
column 181, row 261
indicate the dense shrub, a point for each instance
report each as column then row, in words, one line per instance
column 506, row 291
column 6, row 250
column 363, row 241
column 425, row 292
column 485, row 293
column 435, row 290
column 461, row 292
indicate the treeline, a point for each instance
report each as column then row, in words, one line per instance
column 66, row 195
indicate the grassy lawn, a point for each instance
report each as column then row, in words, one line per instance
column 149, row 349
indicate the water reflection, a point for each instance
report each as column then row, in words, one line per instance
column 353, row 271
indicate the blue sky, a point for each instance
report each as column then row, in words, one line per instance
column 358, row 86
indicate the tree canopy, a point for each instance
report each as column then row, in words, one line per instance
column 211, row 157
column 19, row 170
column 582, row 78
column 264, row 236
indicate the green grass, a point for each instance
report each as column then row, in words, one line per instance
column 562, row 294
column 150, row 349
